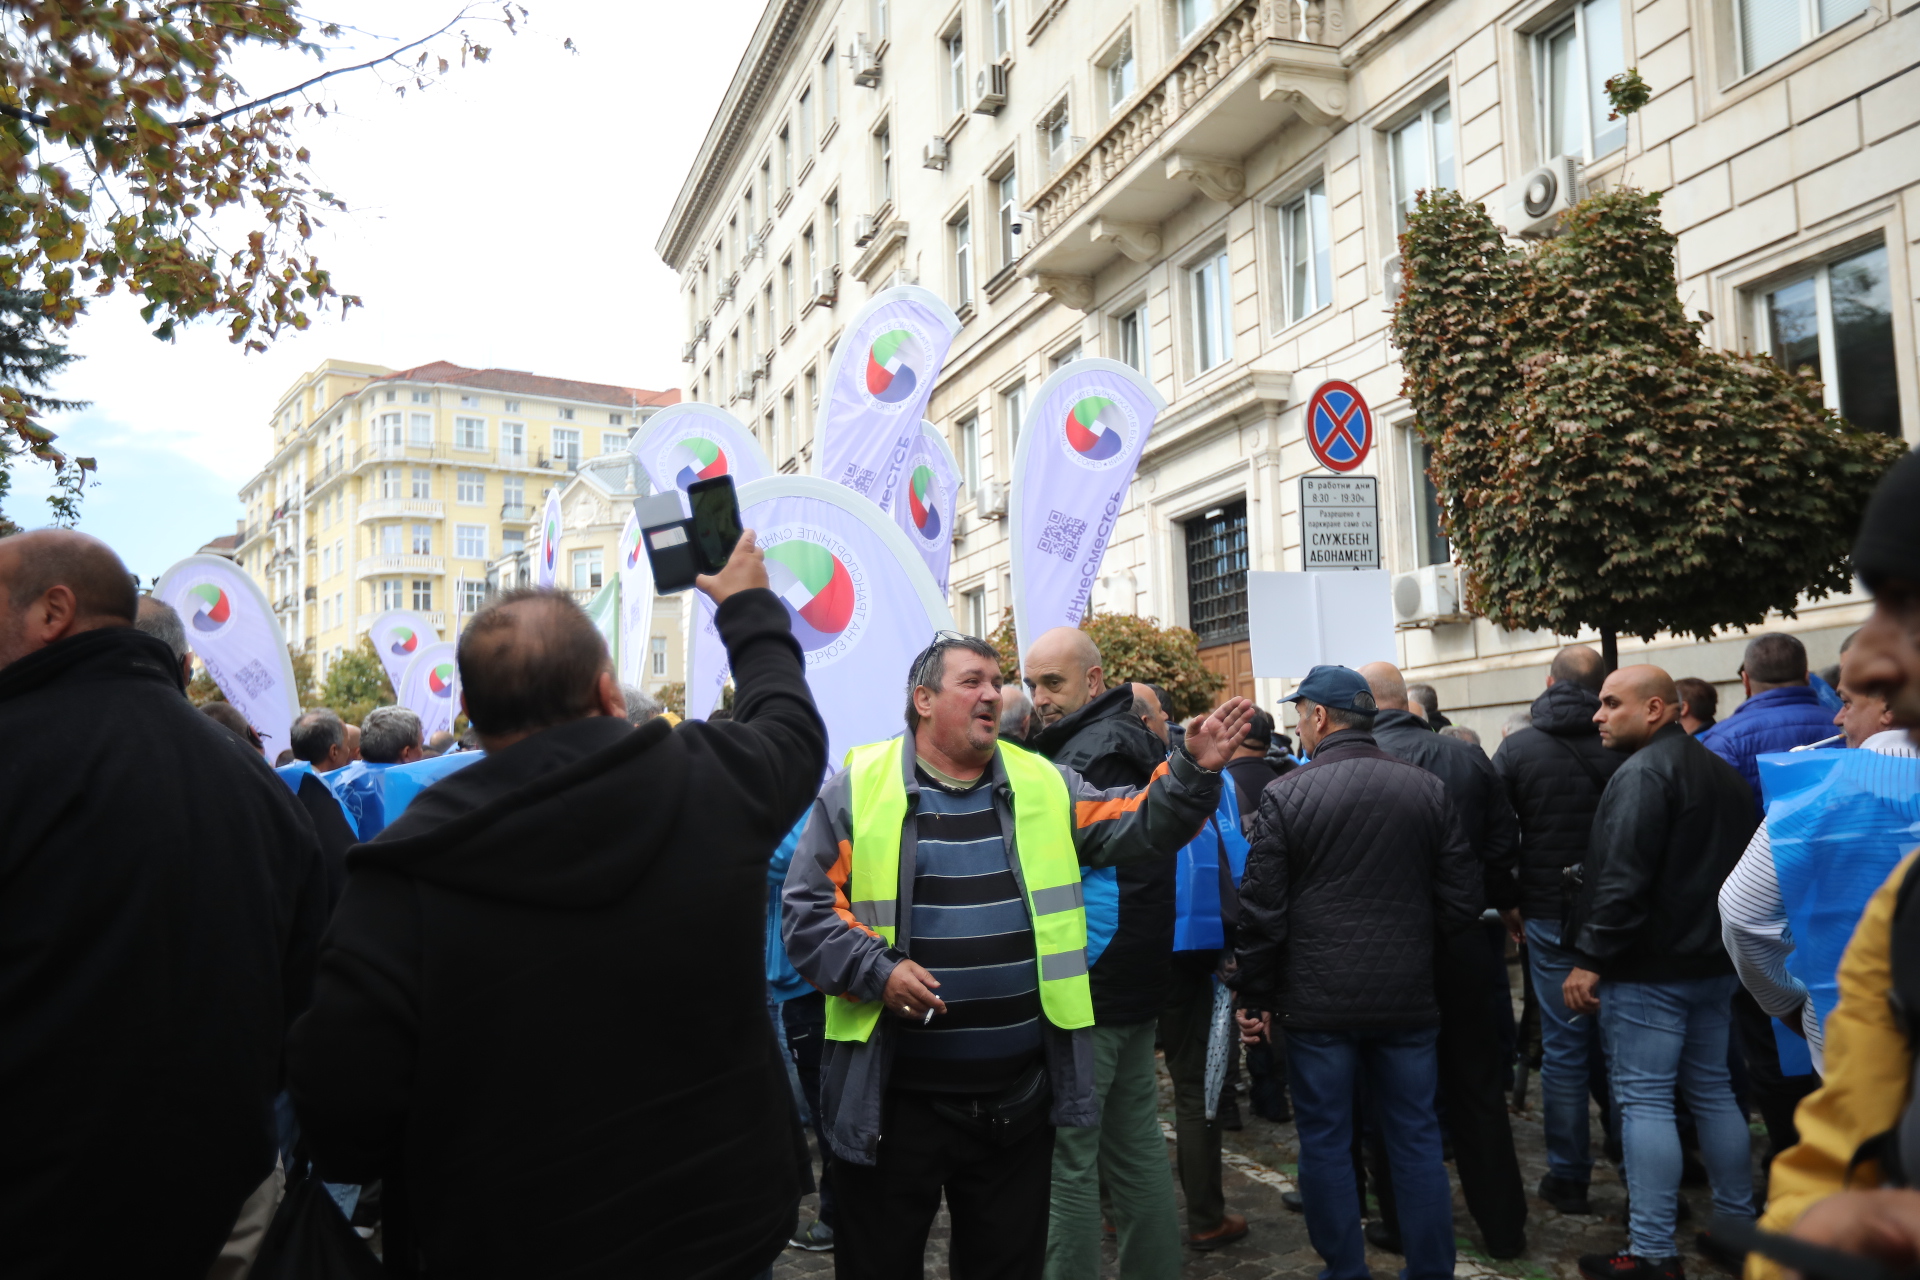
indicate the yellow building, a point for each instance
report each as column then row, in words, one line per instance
column 390, row 489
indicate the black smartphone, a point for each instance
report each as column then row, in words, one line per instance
column 716, row 521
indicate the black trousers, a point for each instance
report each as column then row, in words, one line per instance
column 997, row 1199
column 1471, row 1100
column 1775, row 1094
column 805, row 1019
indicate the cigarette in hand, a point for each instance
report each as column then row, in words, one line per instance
column 927, row 1017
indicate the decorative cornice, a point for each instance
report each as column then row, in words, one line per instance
column 766, row 55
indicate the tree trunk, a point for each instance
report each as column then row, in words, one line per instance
column 1609, row 650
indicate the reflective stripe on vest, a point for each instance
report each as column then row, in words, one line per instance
column 1049, row 867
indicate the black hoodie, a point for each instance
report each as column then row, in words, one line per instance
column 541, row 1014
column 161, row 901
column 1554, row 773
column 1109, row 746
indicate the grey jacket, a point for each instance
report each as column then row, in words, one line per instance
column 843, row 958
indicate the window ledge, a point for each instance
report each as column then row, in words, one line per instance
column 786, row 333
column 1000, row 281
column 826, row 134
column 964, row 312
column 805, row 169
column 953, row 129
column 780, row 205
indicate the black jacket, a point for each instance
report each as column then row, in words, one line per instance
column 1672, row 823
column 541, row 1006
column 161, row 901
column 1553, row 774
column 1356, row 860
column 1251, row 776
column 1479, row 800
column 1109, row 746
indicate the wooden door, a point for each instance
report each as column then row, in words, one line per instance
column 1234, row 661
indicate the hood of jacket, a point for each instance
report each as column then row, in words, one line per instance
column 1102, row 727
column 1566, row 710
column 105, row 653
column 569, row 818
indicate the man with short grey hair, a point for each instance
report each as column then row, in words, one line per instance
column 1425, row 702
column 388, row 736
column 641, row 705
column 161, row 621
column 1781, row 710
column 320, row 738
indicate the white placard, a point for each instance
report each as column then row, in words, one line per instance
column 1339, row 522
column 1299, row 621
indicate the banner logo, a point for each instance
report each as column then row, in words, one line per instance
column 213, row 611
column 922, row 503
column 402, row 641
column 631, row 546
column 550, row 545
column 696, row 458
column 823, row 587
column 1098, row 430
column 440, row 680
column 897, row 364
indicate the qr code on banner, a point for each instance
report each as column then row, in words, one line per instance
column 1062, row 536
column 857, row 478
column 254, row 678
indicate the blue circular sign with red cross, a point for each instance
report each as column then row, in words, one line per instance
column 1339, row 426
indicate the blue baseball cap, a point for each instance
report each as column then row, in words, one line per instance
column 1341, row 688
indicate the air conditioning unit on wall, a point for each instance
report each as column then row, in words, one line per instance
column 934, row 154
column 1427, row 597
column 990, row 90
column 1536, row 202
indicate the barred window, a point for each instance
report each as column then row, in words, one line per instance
column 1217, row 573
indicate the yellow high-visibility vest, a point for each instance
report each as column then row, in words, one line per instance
column 1043, row 842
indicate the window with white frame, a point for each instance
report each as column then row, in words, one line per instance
column 955, row 46
column 961, row 232
column 658, row 652
column 513, row 439
column 422, row 540
column 1209, row 285
column 472, row 595
column 390, row 482
column 883, row 162
column 422, row 483
column 513, row 493
column 392, row 593
column 511, row 406
column 566, row 447
column 829, row 90
column 1429, row 543
column 786, row 159
column 880, row 29
column 1000, row 19
column 786, row 285
column 1188, row 15
column 1065, row 357
column 326, row 614
column 1420, row 156
column 1133, row 340
column 1055, row 140
column 469, row 402
column 1306, row 253
column 423, row 397
column 423, row 594
column 833, row 229
column 1768, row 30
column 564, row 413
column 339, row 615
column 326, row 562
column 1118, row 70
column 586, row 569
column 1835, row 325
column 803, row 116
column 1013, row 416
column 470, row 433
column 419, row 429
column 470, row 541
column 968, row 452
column 1573, row 60
column 390, row 431
column 512, row 541
column 616, row 419
column 973, row 607
column 340, row 554
column 1006, row 190
column 613, row 442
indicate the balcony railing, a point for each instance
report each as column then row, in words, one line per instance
column 450, row 455
column 394, row 508
column 1185, row 130
column 516, row 511
column 374, row 566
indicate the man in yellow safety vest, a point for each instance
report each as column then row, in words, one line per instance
column 935, row 898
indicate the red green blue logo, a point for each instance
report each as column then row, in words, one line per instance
column 1095, row 428
column 921, row 504
column 212, row 610
column 890, row 378
column 440, row 680
column 818, row 591
column 401, row 641
column 551, row 543
column 631, row 546
column 696, row 458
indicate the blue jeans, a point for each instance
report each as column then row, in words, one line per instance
column 1568, row 1043
column 1401, row 1077
column 1659, row 1035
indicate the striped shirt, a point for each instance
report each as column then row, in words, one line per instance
column 969, row 928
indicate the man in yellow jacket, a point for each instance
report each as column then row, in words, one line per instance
column 1869, row 1058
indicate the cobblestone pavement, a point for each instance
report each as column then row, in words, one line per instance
column 1261, row 1161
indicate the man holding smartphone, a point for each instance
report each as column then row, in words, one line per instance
column 935, row 898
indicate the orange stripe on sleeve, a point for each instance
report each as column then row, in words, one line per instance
column 1088, row 812
column 840, row 873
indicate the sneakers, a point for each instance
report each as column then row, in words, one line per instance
column 1627, row 1266
column 817, row 1238
column 1232, row 1227
column 1565, row 1194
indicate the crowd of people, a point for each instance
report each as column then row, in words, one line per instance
column 491, row 995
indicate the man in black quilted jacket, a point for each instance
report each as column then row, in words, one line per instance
column 1554, row 773
column 1358, row 864
column 1471, row 1045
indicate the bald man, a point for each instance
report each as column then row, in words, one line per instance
column 1672, row 824
column 164, row 902
column 1081, row 723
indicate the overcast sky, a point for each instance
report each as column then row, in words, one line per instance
column 505, row 217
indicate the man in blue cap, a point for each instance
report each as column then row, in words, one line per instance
column 1358, row 864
